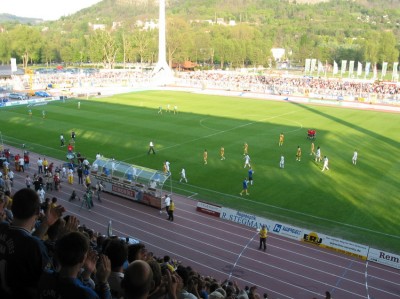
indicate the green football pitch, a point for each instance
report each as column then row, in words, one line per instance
column 355, row 202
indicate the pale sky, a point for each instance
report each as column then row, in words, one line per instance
column 44, row 9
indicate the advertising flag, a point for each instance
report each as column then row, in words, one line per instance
column 320, row 67
column 359, row 69
column 351, row 68
column 394, row 74
column 307, row 66
column 344, row 66
column 384, row 69
column 335, row 68
column 313, row 63
column 367, row 68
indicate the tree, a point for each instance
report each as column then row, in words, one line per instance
column 26, row 43
column 143, row 43
column 5, row 49
column 103, row 48
column 177, row 37
column 387, row 48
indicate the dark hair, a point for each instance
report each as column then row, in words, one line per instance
column 117, row 252
column 156, row 268
column 71, row 249
column 25, row 204
column 133, row 250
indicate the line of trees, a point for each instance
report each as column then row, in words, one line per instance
column 298, row 29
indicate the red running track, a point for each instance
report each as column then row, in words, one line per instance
column 214, row 247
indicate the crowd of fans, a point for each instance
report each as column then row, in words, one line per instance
column 283, row 84
column 46, row 253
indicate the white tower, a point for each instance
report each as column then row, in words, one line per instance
column 162, row 73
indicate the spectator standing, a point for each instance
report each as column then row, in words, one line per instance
column 41, row 194
column 40, row 165
column 80, row 175
column 26, row 160
column 167, row 202
column 99, row 189
column 7, row 184
column 28, row 181
column 63, row 172
column 171, row 211
column 70, row 176
column 21, row 164
column 45, row 165
column 263, row 237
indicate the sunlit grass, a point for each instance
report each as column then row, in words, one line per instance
column 354, row 202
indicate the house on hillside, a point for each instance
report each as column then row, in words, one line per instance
column 97, row 26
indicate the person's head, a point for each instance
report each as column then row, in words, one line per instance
column 26, row 204
column 138, row 280
column 157, row 276
column 136, row 252
column 117, row 252
column 72, row 249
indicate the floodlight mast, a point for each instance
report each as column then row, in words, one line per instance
column 162, row 73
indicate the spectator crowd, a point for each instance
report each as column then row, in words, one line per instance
column 47, row 253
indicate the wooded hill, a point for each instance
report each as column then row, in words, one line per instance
column 360, row 30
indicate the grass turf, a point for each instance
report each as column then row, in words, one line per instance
column 358, row 203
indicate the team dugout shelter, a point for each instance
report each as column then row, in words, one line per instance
column 136, row 183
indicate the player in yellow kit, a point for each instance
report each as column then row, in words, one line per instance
column 298, row 153
column 205, row 156
column 312, row 149
column 281, row 138
column 222, row 152
column 245, row 149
